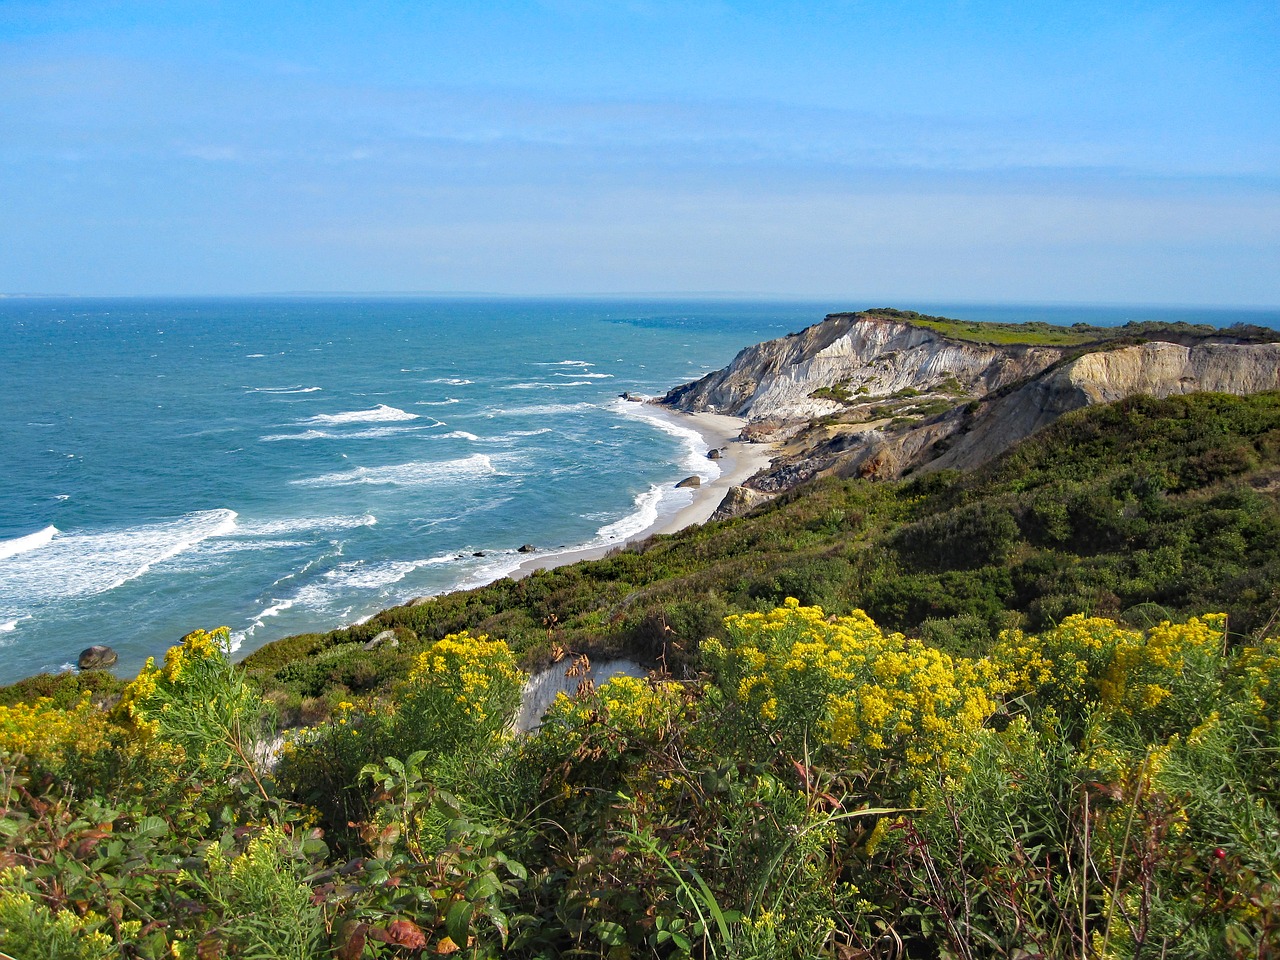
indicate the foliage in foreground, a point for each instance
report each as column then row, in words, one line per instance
column 824, row 788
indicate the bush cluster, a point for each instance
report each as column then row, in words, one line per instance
column 821, row 788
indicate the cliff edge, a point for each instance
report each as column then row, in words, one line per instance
column 883, row 393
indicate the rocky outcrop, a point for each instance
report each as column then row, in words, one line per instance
column 739, row 500
column 853, row 354
column 878, row 397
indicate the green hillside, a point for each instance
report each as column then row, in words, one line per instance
column 1141, row 509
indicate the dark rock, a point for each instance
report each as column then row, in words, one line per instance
column 478, row 553
column 98, row 657
column 527, row 548
column 713, row 454
column 385, row 638
column 694, row 481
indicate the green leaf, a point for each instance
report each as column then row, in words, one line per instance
column 611, row 934
column 458, row 921
column 151, row 827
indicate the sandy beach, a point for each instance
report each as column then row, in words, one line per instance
column 738, row 461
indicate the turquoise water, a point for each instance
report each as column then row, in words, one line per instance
column 282, row 465
column 285, row 465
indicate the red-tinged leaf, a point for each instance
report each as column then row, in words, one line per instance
column 353, row 947
column 446, row 946
column 406, row 933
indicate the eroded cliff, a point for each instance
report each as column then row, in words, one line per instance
column 876, row 396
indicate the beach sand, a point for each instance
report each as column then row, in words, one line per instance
column 738, row 461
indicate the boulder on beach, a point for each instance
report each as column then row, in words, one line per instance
column 694, row 481
column 713, row 454
column 526, row 548
column 97, row 657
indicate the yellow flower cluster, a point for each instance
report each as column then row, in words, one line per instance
column 844, row 680
column 1090, row 660
column 472, row 669
column 138, row 701
column 633, row 707
column 43, row 732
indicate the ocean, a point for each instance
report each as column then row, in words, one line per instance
column 281, row 465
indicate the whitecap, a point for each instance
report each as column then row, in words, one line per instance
column 549, row 386
column 335, row 586
column 543, row 410
column 294, row 525
column 373, row 433
column 589, row 376
column 32, row 541
column 378, row 414
column 451, row 381
column 254, row 356
column 416, row 473
column 642, row 518
column 566, row 363
column 458, row 435
column 80, row 564
column 280, row 391
column 437, row 403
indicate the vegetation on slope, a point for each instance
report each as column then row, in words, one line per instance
column 1038, row 333
column 1140, row 510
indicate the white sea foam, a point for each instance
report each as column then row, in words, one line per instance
column 334, row 587
column 280, row 391
column 543, row 410
column 549, row 386
column 452, row 381
column 645, row 516
column 254, row 356
column 416, row 473
column 589, row 376
column 437, row 403
column 566, row 363
column 695, row 459
column 75, row 564
column 32, row 541
column 379, row 414
column 296, row 525
column 458, row 435
column 525, row 433
column 372, row 433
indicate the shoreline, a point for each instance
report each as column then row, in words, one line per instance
column 739, row 460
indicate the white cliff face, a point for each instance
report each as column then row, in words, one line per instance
column 1019, row 389
column 864, row 356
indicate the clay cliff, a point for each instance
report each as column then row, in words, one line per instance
column 881, row 395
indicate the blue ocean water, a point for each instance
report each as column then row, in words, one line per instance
column 281, row 465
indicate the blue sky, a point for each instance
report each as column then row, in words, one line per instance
column 1122, row 152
